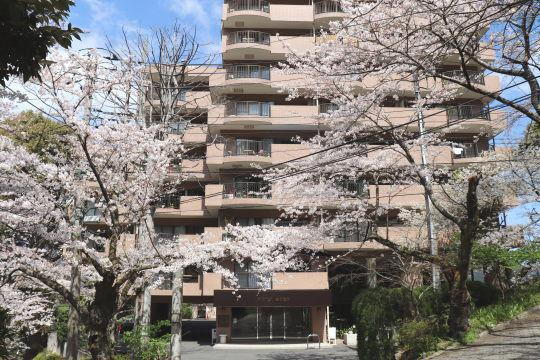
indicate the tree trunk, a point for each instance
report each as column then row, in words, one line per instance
column 99, row 345
column 460, row 300
column 460, row 310
column 176, row 315
column 72, row 345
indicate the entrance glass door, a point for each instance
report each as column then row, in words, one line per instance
column 271, row 323
column 297, row 323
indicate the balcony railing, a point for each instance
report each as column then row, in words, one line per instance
column 248, row 37
column 247, row 147
column 470, row 150
column 248, row 108
column 177, row 93
column 249, row 5
column 476, row 77
column 464, row 112
column 248, row 72
column 357, row 232
column 169, row 201
column 246, row 190
column 92, row 215
column 327, row 6
column 327, row 108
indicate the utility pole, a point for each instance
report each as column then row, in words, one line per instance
column 72, row 343
column 436, row 276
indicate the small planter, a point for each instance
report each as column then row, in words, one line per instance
column 350, row 339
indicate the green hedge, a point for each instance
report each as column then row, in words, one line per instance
column 387, row 318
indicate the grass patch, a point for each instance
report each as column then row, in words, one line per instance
column 486, row 318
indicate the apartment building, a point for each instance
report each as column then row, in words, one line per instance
column 244, row 119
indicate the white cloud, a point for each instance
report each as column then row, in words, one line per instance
column 204, row 13
column 101, row 11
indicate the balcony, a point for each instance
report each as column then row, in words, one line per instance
column 191, row 169
column 327, row 10
column 261, row 14
column 466, row 153
column 238, row 44
column 467, row 118
column 246, row 190
column 257, row 45
column 188, row 99
column 175, row 206
column 190, row 134
column 237, row 195
column 467, row 112
column 397, row 195
column 327, row 108
column 242, row 153
column 476, row 77
column 249, row 12
column 240, row 114
column 435, row 155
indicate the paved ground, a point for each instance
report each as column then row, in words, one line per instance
column 194, row 351
column 519, row 339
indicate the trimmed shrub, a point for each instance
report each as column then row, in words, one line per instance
column 47, row 355
column 382, row 312
column 483, row 294
column 377, row 312
column 417, row 337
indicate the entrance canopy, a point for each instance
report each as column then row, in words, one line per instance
column 270, row 298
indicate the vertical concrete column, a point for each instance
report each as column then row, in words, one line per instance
column 371, row 265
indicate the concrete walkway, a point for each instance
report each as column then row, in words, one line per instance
column 517, row 339
column 194, row 351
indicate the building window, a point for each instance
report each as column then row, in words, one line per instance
column 247, row 279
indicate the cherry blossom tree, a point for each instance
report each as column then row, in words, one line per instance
column 115, row 170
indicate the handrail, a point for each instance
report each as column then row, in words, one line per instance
column 245, row 190
column 327, row 6
column 325, row 108
column 312, row 336
column 248, row 147
column 249, row 5
column 248, row 71
column 464, row 112
column 248, row 37
column 476, row 77
column 248, row 108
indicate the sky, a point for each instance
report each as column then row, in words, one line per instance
column 104, row 20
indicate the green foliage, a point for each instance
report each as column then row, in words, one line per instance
column 482, row 294
column 47, row 355
column 6, row 333
column 155, row 348
column 382, row 312
column 378, row 311
column 417, row 337
column 341, row 332
column 29, row 29
column 37, row 134
column 494, row 255
column 61, row 322
column 521, row 299
column 187, row 311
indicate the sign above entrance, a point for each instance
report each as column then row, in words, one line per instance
column 272, row 298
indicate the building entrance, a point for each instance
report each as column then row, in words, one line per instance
column 271, row 323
